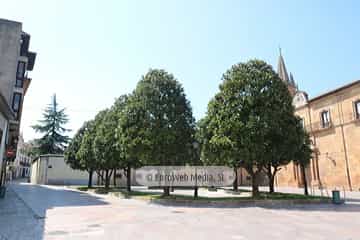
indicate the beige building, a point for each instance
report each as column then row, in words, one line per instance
column 333, row 122
column 15, row 62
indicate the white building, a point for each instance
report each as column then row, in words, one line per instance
column 21, row 165
column 51, row 169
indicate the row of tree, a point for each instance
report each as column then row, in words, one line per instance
column 152, row 126
column 250, row 123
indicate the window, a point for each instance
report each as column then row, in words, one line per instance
column 325, row 118
column 20, row 70
column 20, row 73
column 357, row 109
column 19, row 83
column 302, row 122
column 16, row 102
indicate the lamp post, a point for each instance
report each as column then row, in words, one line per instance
column 197, row 157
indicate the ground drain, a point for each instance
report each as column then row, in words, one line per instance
column 177, row 211
column 57, row 233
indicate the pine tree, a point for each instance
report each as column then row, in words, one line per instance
column 54, row 139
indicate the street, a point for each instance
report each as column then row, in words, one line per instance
column 48, row 212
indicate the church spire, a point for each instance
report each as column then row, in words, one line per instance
column 292, row 81
column 282, row 69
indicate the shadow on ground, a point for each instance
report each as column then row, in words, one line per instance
column 349, row 206
column 33, row 202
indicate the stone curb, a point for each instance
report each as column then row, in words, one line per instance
column 218, row 203
column 238, row 203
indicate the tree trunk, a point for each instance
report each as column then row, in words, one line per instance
column 254, row 185
column 90, row 178
column 235, row 183
column 107, row 179
column 302, row 167
column 166, row 191
column 128, row 179
column 271, row 184
column 196, row 192
column 114, row 177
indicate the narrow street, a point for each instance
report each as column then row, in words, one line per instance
column 58, row 213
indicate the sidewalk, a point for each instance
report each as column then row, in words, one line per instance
column 17, row 221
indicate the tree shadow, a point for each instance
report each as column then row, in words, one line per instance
column 309, row 207
column 41, row 199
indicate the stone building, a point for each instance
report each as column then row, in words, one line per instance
column 333, row 121
column 15, row 62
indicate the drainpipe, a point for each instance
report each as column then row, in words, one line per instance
column 341, row 117
column 316, row 154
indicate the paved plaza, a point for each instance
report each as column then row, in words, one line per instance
column 47, row 212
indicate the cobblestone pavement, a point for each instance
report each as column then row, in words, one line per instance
column 17, row 220
column 74, row 215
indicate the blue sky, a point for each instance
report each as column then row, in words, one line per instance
column 90, row 52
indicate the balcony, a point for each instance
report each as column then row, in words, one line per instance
column 318, row 126
column 24, row 51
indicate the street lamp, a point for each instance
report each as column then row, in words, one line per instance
column 196, row 146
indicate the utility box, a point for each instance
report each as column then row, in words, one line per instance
column 336, row 199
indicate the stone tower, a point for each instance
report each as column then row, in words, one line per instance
column 283, row 74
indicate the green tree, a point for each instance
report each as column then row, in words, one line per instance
column 240, row 116
column 282, row 139
column 31, row 149
column 86, row 154
column 105, row 144
column 303, row 155
column 127, row 137
column 52, row 127
column 164, row 124
column 79, row 153
column 213, row 150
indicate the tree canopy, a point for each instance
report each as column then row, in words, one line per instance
column 247, row 118
column 52, row 127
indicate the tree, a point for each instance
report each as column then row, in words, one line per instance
column 303, row 154
column 79, row 153
column 127, row 137
column 31, row 149
column 86, row 154
column 164, row 124
column 212, row 151
column 52, row 127
column 282, row 139
column 240, row 115
column 105, row 144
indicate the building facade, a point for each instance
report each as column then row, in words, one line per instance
column 333, row 123
column 15, row 62
column 21, row 165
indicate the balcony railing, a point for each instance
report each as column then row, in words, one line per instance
column 319, row 126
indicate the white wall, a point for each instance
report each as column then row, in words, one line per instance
column 52, row 169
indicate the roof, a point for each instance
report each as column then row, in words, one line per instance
column 282, row 70
column 335, row 90
column 46, row 155
column 3, row 20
